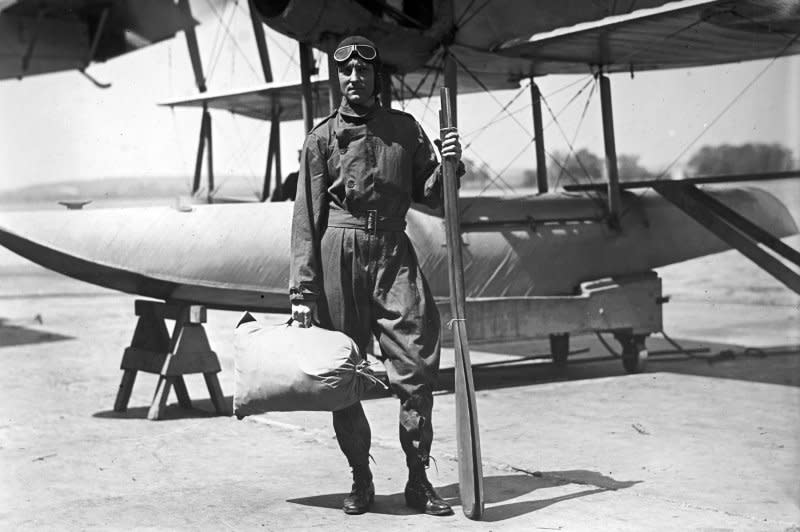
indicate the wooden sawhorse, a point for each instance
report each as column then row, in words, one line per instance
column 154, row 351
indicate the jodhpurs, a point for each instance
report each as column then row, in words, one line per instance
column 373, row 286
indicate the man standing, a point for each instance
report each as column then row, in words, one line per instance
column 354, row 269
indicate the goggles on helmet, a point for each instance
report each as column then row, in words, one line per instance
column 364, row 51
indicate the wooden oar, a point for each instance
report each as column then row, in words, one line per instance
column 470, row 470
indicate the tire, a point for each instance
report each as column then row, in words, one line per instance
column 634, row 353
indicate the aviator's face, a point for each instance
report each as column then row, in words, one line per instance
column 357, row 81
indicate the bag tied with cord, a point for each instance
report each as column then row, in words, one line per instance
column 284, row 367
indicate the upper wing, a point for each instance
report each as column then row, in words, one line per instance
column 686, row 33
column 569, row 37
column 499, row 42
column 40, row 36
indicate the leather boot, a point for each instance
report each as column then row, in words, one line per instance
column 362, row 495
column 421, row 496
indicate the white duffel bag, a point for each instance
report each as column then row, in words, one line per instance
column 284, row 367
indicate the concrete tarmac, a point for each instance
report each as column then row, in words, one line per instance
column 692, row 444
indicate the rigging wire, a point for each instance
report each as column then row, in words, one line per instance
column 719, row 115
column 483, row 86
column 428, row 71
column 493, row 181
column 501, row 172
column 575, row 136
column 563, row 168
column 463, row 22
column 493, row 120
column 427, row 105
column 215, row 42
column 498, row 118
column 288, row 54
column 230, row 35
column 235, row 158
column 215, row 61
column 728, row 106
column 292, row 61
column 498, row 176
column 464, row 13
column 252, row 176
column 533, row 138
column 433, row 88
column 273, row 42
column 553, row 115
column 564, row 135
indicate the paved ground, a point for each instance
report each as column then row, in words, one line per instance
column 711, row 444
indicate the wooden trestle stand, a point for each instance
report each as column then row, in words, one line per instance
column 153, row 350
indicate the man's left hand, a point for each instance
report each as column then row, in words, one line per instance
column 451, row 146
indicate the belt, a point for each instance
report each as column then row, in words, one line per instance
column 368, row 221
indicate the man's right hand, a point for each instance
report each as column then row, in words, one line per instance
column 305, row 313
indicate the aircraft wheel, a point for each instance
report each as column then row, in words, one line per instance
column 559, row 349
column 634, row 352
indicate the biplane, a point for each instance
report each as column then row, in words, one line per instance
column 542, row 265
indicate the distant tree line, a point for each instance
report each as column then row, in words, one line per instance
column 745, row 159
column 583, row 166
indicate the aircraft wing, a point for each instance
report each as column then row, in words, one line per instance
column 686, row 33
column 40, row 36
column 572, row 40
column 499, row 42
column 259, row 102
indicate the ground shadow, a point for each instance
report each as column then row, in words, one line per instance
column 774, row 365
column 200, row 408
column 497, row 490
column 13, row 335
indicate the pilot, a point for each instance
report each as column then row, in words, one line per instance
column 354, row 269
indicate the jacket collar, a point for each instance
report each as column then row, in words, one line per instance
column 356, row 112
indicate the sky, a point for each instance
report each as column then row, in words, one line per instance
column 59, row 126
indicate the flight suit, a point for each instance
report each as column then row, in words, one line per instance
column 350, row 254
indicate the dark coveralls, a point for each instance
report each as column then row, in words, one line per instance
column 350, row 254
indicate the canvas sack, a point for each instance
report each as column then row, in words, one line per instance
column 284, row 367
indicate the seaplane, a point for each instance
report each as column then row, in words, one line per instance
column 547, row 264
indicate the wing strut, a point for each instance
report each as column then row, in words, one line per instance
column 386, row 88
column 273, row 154
column 194, row 48
column 203, row 142
column 734, row 229
column 305, row 79
column 205, row 121
column 538, row 135
column 612, row 173
column 334, row 92
column 261, row 42
column 274, row 142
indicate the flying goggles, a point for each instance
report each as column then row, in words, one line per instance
column 364, row 51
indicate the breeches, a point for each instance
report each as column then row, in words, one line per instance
column 373, row 286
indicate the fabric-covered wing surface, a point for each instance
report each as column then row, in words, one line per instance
column 680, row 34
column 259, row 102
column 40, row 36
